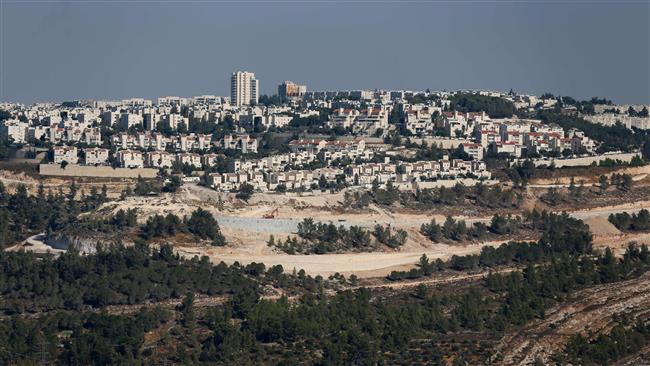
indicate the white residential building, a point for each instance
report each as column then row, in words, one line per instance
column 92, row 136
column 128, row 120
column 455, row 124
column 65, row 153
column 130, row 159
column 244, row 88
column 343, row 117
column 473, row 150
column 151, row 120
column 190, row 159
column 172, row 120
column 159, row 159
column 511, row 148
column 209, row 159
column 244, row 143
column 95, row 156
column 14, row 130
column 110, row 118
column 419, row 121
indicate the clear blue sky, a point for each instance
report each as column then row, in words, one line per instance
column 65, row 50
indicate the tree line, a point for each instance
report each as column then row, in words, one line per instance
column 616, row 137
column 201, row 224
column 577, row 192
column 559, row 234
column 495, row 107
column 321, row 238
column 636, row 222
column 22, row 214
column 479, row 195
column 455, row 230
column 352, row 327
column 120, row 275
column 624, row 339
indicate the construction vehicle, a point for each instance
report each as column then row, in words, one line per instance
column 271, row 215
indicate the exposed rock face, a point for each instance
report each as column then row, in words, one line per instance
column 85, row 243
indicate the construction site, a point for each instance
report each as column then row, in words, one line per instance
column 247, row 226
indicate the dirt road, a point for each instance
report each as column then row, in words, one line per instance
column 363, row 265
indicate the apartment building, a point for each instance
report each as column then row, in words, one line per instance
column 209, row 159
column 68, row 154
column 292, row 91
column 245, row 143
column 130, row 158
column 512, row 148
column 244, row 88
column 151, row 120
column 14, row 130
column 110, row 118
column 373, row 117
column 173, row 120
column 455, row 124
column 95, row 156
column 128, row 120
column 159, row 159
column 486, row 137
column 359, row 119
column 92, row 136
column 190, row 159
column 343, row 117
column 474, row 150
column 419, row 121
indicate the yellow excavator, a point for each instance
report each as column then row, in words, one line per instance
column 271, row 215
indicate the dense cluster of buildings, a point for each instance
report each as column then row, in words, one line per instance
column 154, row 150
column 52, row 128
column 513, row 136
column 272, row 172
column 137, row 133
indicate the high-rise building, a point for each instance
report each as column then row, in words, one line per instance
column 290, row 90
column 244, row 88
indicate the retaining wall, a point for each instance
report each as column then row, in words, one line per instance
column 73, row 170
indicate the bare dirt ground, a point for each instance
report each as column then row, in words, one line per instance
column 585, row 311
column 600, row 226
column 114, row 186
column 11, row 178
column 618, row 243
column 363, row 265
column 591, row 175
column 247, row 232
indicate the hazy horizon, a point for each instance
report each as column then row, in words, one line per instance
column 69, row 50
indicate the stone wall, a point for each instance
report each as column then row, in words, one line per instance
column 448, row 183
column 442, row 142
column 586, row 161
column 73, row 170
column 611, row 119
